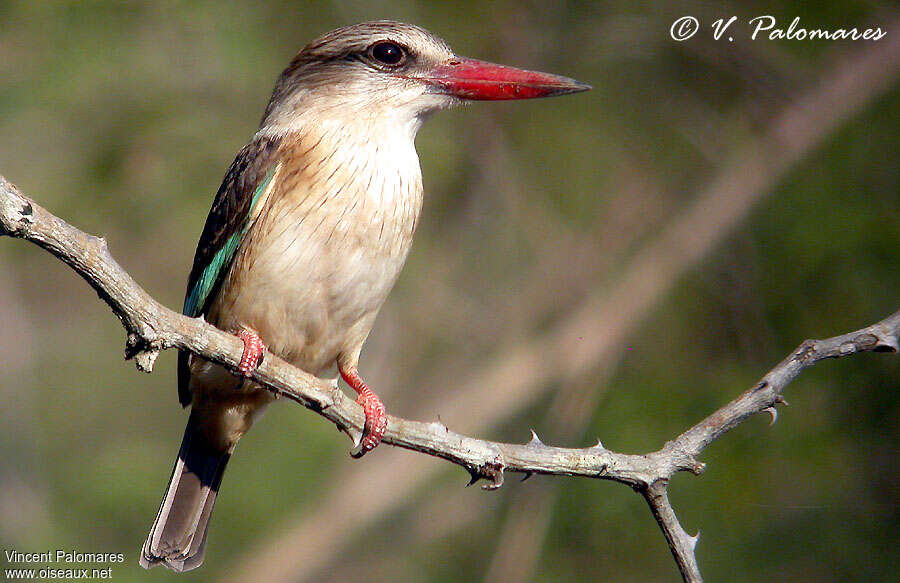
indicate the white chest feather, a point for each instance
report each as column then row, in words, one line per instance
column 327, row 243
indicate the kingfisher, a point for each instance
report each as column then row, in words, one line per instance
column 306, row 237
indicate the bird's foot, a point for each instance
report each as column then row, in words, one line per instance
column 376, row 423
column 376, row 415
column 254, row 349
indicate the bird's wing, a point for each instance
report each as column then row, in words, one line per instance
column 246, row 180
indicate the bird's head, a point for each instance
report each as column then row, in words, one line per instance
column 395, row 71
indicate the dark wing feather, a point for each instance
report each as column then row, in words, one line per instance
column 246, row 178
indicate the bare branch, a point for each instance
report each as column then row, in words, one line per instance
column 680, row 542
column 152, row 327
column 765, row 395
column 761, row 398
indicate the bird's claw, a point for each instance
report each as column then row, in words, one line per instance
column 376, row 423
column 376, row 417
column 254, row 349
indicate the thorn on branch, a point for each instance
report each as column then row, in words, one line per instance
column 773, row 412
column 599, row 445
column 441, row 425
column 527, row 475
column 535, row 440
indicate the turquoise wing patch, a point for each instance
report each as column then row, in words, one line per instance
column 212, row 275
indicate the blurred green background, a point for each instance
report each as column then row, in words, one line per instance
column 614, row 264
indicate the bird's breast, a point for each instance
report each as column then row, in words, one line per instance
column 325, row 250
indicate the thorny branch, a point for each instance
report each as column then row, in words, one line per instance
column 152, row 327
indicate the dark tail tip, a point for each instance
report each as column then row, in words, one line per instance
column 177, row 539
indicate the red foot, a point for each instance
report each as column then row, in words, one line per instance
column 254, row 349
column 376, row 417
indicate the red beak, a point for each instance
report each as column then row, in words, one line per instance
column 473, row 79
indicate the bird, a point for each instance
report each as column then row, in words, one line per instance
column 306, row 236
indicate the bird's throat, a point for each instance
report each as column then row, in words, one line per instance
column 366, row 170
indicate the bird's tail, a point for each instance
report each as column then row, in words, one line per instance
column 178, row 537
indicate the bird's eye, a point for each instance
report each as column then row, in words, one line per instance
column 388, row 53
